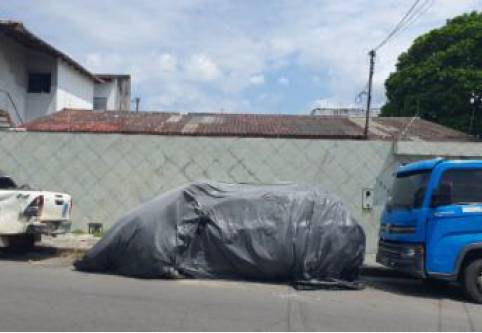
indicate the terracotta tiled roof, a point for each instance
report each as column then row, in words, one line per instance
column 243, row 125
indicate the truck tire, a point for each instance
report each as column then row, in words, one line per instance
column 472, row 280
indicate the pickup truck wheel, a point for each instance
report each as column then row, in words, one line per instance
column 472, row 280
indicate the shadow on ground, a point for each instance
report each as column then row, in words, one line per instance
column 398, row 283
column 38, row 253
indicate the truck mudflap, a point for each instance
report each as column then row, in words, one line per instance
column 405, row 257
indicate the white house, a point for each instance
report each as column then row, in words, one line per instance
column 36, row 79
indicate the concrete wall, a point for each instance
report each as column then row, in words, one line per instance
column 109, row 174
column 75, row 90
column 13, row 77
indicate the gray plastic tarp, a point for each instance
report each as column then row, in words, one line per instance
column 294, row 233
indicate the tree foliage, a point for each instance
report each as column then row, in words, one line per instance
column 436, row 77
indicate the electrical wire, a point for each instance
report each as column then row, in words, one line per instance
column 412, row 15
column 401, row 24
column 423, row 10
column 398, row 26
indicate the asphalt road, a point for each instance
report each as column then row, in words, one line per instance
column 48, row 295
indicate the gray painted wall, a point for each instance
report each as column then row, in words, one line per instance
column 109, row 174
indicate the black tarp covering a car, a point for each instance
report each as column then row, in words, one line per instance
column 294, row 233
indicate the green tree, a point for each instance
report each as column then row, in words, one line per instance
column 438, row 75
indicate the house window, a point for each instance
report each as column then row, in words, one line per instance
column 39, row 82
column 100, row 103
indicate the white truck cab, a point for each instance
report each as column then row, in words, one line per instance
column 26, row 214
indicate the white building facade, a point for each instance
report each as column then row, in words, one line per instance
column 37, row 80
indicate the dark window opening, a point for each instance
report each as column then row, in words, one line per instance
column 39, row 82
column 462, row 186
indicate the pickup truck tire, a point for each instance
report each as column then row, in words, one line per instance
column 472, row 280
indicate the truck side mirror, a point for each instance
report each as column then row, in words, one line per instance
column 442, row 196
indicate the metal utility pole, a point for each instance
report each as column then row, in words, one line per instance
column 372, row 55
column 138, row 102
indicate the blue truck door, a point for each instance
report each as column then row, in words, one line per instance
column 456, row 220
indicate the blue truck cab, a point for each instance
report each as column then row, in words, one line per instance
column 431, row 226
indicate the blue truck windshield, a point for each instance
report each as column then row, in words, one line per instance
column 408, row 191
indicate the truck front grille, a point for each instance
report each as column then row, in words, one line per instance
column 406, row 257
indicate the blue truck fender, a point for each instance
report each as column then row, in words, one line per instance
column 469, row 252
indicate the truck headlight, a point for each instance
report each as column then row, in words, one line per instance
column 408, row 253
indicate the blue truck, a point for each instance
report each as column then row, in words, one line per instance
column 431, row 226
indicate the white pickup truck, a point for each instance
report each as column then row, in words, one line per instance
column 26, row 214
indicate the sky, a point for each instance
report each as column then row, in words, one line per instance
column 283, row 56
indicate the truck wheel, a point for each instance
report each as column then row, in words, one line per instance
column 472, row 280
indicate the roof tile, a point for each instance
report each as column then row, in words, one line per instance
column 243, row 125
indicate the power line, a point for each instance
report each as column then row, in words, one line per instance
column 422, row 11
column 398, row 26
column 413, row 13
